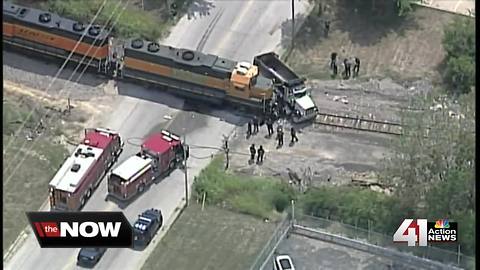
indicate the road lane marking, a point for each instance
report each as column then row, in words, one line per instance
column 234, row 25
column 456, row 6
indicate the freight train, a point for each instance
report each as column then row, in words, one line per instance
column 183, row 72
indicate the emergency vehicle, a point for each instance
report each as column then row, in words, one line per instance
column 84, row 169
column 160, row 153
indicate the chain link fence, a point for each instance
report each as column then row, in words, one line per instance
column 382, row 240
column 278, row 235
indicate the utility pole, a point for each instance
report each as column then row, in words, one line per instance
column 185, row 168
column 293, row 23
column 227, row 150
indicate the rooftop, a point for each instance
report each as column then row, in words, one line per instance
column 73, row 170
column 131, row 167
column 97, row 139
column 161, row 142
column 182, row 56
column 32, row 16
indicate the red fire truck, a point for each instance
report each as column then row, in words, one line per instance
column 81, row 173
column 160, row 154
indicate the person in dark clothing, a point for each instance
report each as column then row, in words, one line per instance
column 252, row 152
column 269, row 126
column 335, row 68
column 255, row 125
column 279, row 128
column 347, row 66
column 327, row 28
column 280, row 137
column 356, row 67
column 333, row 59
column 249, row 128
column 260, row 154
column 293, row 133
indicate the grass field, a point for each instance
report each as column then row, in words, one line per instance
column 210, row 239
column 26, row 188
column 402, row 48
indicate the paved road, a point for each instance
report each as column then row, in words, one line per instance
column 233, row 29
column 464, row 7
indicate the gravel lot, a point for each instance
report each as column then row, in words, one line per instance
column 326, row 152
column 309, row 254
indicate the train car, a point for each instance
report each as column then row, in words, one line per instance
column 195, row 74
column 49, row 34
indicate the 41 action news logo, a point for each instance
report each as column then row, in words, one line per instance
column 420, row 231
column 81, row 229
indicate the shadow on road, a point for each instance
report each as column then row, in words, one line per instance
column 48, row 66
column 235, row 116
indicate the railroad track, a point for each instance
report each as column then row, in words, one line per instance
column 358, row 123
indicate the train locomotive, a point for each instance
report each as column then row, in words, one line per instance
column 183, row 72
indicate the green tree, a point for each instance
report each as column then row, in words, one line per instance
column 460, row 74
column 459, row 43
column 432, row 166
column 459, row 38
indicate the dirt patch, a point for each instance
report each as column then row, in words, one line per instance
column 33, row 152
column 82, row 113
column 409, row 47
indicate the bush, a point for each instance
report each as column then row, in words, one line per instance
column 459, row 42
column 460, row 74
column 280, row 200
column 133, row 22
column 258, row 196
column 354, row 206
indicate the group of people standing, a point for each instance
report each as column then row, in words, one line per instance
column 347, row 65
column 260, row 152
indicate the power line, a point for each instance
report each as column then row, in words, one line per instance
column 56, row 75
column 111, row 28
column 68, row 80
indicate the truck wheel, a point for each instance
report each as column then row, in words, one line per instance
column 89, row 192
column 141, row 188
column 171, row 166
column 83, row 201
